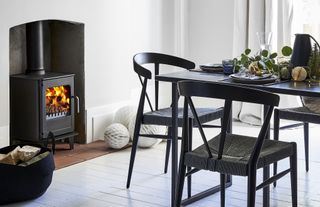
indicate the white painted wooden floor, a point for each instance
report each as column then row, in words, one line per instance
column 101, row 181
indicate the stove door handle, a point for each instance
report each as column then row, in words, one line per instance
column 77, row 103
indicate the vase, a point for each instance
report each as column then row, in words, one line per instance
column 264, row 39
column 301, row 50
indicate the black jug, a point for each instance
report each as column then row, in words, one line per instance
column 302, row 50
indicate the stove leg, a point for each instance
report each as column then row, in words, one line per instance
column 71, row 142
column 53, row 141
column 45, row 142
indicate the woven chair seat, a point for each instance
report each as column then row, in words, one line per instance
column 235, row 159
column 299, row 114
column 164, row 116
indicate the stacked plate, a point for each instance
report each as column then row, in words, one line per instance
column 250, row 78
column 211, row 67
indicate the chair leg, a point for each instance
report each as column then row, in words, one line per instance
column 251, row 194
column 167, row 151
column 222, row 190
column 189, row 179
column 294, row 176
column 133, row 150
column 306, row 143
column 276, row 126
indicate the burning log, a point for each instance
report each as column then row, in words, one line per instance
column 57, row 101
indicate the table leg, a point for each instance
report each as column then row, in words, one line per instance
column 229, row 129
column 174, row 141
column 266, row 171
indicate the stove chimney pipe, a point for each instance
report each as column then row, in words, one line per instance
column 35, row 48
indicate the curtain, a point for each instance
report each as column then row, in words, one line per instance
column 250, row 17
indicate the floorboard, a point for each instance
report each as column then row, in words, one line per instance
column 101, row 181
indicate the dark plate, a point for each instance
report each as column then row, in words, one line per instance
column 211, row 67
column 239, row 79
column 211, row 70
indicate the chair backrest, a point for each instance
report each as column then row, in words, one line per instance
column 140, row 59
column 229, row 93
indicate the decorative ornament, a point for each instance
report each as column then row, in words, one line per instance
column 145, row 142
column 124, row 114
column 116, row 136
column 299, row 73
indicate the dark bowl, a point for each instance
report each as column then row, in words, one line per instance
column 24, row 183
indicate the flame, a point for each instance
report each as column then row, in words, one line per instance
column 57, row 100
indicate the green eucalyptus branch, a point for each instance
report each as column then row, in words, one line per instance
column 264, row 62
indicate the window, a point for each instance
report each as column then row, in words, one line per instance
column 306, row 18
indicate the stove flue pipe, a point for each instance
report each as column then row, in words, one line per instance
column 35, row 48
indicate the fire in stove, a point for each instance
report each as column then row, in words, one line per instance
column 57, row 102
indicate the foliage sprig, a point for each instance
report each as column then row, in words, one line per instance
column 264, row 61
column 314, row 62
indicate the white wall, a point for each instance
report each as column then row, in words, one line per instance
column 114, row 31
column 201, row 31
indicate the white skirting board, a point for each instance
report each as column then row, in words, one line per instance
column 98, row 118
column 4, row 136
column 99, row 124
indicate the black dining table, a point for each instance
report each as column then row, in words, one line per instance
column 281, row 87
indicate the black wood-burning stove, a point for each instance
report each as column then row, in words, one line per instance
column 41, row 103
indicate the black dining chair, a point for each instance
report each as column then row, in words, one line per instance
column 161, row 116
column 233, row 154
column 300, row 114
